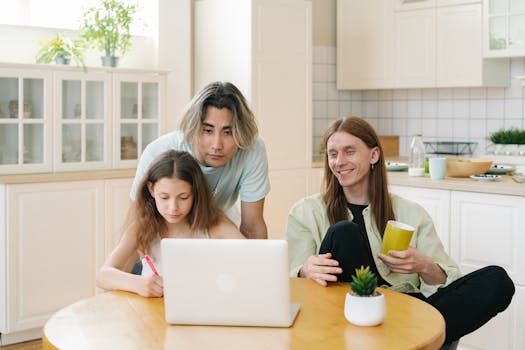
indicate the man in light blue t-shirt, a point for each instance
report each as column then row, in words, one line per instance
column 219, row 130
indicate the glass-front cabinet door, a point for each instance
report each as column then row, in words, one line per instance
column 25, row 121
column 82, row 121
column 504, row 28
column 137, row 117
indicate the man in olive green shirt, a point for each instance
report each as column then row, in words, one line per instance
column 308, row 224
column 332, row 233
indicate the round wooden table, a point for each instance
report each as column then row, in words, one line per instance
column 121, row 320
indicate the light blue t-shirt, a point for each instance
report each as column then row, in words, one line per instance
column 245, row 175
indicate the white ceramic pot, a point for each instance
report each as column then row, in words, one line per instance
column 365, row 311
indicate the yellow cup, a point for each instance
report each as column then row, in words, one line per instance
column 397, row 236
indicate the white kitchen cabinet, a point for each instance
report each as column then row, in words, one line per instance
column 117, row 202
column 407, row 5
column 415, row 48
column 139, row 107
column 459, row 50
column 82, row 120
column 482, row 229
column 409, row 44
column 55, row 119
column 488, row 229
column 504, row 28
column 441, row 46
column 54, row 237
column 25, row 120
column 437, row 205
column 365, row 51
column 265, row 49
column 288, row 186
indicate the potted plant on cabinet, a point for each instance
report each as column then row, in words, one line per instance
column 60, row 49
column 364, row 305
column 507, row 142
column 107, row 28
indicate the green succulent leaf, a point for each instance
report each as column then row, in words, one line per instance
column 364, row 281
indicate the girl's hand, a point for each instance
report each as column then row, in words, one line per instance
column 151, row 286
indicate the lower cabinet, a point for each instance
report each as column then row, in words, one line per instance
column 483, row 229
column 53, row 240
column 436, row 203
column 489, row 229
column 287, row 187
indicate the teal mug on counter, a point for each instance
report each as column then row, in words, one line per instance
column 437, row 168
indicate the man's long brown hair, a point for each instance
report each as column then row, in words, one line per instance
column 333, row 196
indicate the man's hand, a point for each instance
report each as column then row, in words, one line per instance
column 321, row 268
column 413, row 261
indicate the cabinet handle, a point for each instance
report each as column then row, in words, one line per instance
column 411, row 1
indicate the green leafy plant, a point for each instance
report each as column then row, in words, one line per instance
column 364, row 282
column 106, row 27
column 507, row 137
column 60, row 49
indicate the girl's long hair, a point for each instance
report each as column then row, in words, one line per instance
column 332, row 194
column 145, row 220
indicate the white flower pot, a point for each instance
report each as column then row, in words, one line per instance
column 365, row 311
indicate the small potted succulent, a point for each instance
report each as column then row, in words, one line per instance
column 60, row 49
column 364, row 305
column 106, row 27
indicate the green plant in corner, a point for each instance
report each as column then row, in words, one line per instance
column 512, row 136
column 106, row 27
column 364, row 282
column 60, row 49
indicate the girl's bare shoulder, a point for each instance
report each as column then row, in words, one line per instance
column 225, row 228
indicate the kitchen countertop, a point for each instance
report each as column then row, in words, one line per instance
column 67, row 176
column 506, row 186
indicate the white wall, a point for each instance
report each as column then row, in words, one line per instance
column 19, row 45
column 170, row 49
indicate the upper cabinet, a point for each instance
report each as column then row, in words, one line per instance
column 365, row 44
column 265, row 49
column 68, row 119
column 504, row 28
column 430, row 43
column 137, row 115
column 25, row 120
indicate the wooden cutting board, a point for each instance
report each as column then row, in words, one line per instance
column 390, row 145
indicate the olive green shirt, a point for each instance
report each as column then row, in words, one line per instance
column 308, row 223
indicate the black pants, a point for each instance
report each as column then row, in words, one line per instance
column 466, row 304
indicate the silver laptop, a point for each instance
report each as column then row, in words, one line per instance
column 228, row 282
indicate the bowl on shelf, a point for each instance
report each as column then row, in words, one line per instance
column 465, row 167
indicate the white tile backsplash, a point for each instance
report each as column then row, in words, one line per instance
column 447, row 114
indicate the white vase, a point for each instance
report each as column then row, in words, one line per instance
column 365, row 311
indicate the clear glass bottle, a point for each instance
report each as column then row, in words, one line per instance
column 416, row 162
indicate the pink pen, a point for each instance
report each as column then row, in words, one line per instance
column 148, row 260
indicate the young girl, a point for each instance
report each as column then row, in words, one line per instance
column 173, row 201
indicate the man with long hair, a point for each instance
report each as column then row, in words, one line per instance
column 332, row 233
